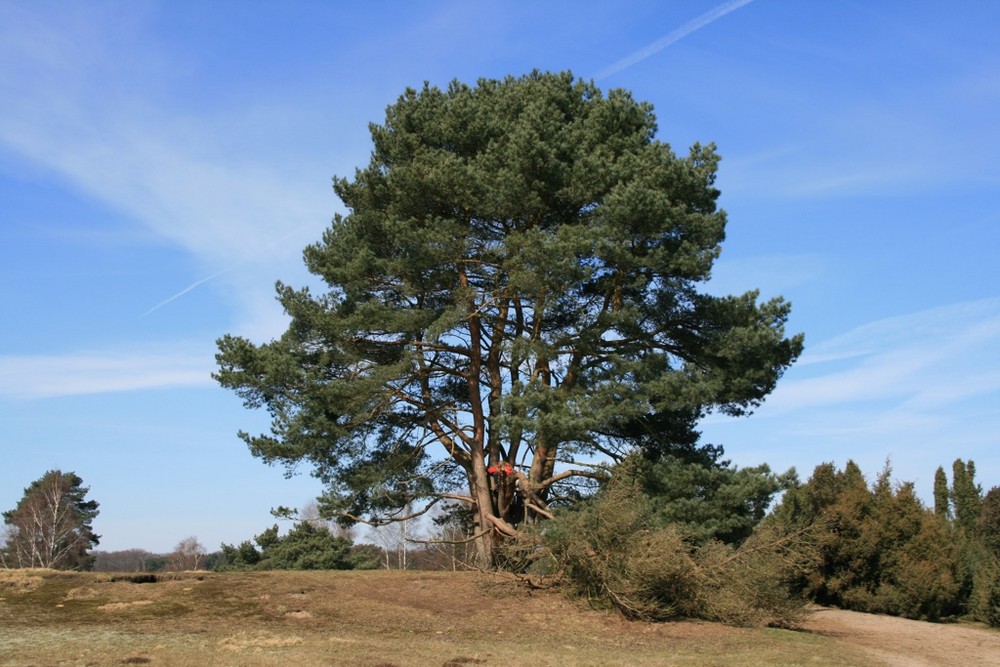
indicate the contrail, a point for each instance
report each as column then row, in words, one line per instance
column 676, row 35
column 185, row 291
column 219, row 273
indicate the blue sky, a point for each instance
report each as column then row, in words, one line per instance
column 163, row 163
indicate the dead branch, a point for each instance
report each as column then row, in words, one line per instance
column 503, row 526
column 398, row 519
column 602, row 477
column 626, row 608
column 465, row 541
column 784, row 539
column 539, row 510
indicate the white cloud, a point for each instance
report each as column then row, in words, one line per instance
column 928, row 359
column 106, row 114
column 920, row 389
column 946, row 323
column 220, row 211
column 895, row 129
column 46, row 376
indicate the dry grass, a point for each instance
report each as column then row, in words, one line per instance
column 356, row 618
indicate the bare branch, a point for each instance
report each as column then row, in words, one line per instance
column 599, row 476
column 473, row 538
column 397, row 519
column 539, row 510
column 503, row 526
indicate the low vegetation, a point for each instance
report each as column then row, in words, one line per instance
column 687, row 537
column 365, row 619
column 304, row 547
column 618, row 551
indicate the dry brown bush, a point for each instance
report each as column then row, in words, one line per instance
column 613, row 553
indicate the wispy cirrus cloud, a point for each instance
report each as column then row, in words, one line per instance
column 864, row 144
column 950, row 327
column 220, row 210
column 918, row 390
column 47, row 376
column 926, row 360
column 107, row 115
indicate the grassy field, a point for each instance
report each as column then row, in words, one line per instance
column 355, row 618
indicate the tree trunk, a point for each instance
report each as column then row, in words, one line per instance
column 486, row 531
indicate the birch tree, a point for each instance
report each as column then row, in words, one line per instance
column 51, row 525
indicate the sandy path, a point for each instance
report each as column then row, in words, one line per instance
column 900, row 642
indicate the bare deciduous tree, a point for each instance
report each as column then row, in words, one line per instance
column 311, row 514
column 187, row 555
column 394, row 538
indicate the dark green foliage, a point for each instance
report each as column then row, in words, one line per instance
column 615, row 550
column 975, row 536
column 717, row 502
column 51, row 525
column 917, row 576
column 156, row 563
column 990, row 587
column 516, row 281
column 833, row 503
column 942, row 496
column 214, row 560
column 305, row 547
column 966, row 495
column 244, row 556
column 979, row 572
column 988, row 524
column 881, row 549
column 364, row 557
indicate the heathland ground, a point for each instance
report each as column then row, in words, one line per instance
column 414, row 618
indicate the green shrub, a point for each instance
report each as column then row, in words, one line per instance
column 983, row 570
column 305, row 547
column 991, row 603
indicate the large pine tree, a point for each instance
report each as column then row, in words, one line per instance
column 513, row 296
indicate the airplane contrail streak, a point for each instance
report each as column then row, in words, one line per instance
column 675, row 36
column 216, row 274
column 184, row 291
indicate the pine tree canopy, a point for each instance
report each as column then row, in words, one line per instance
column 516, row 281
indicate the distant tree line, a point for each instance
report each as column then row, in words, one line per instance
column 189, row 554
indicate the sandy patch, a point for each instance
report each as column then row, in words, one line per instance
column 245, row 641
column 900, row 642
column 121, row 606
